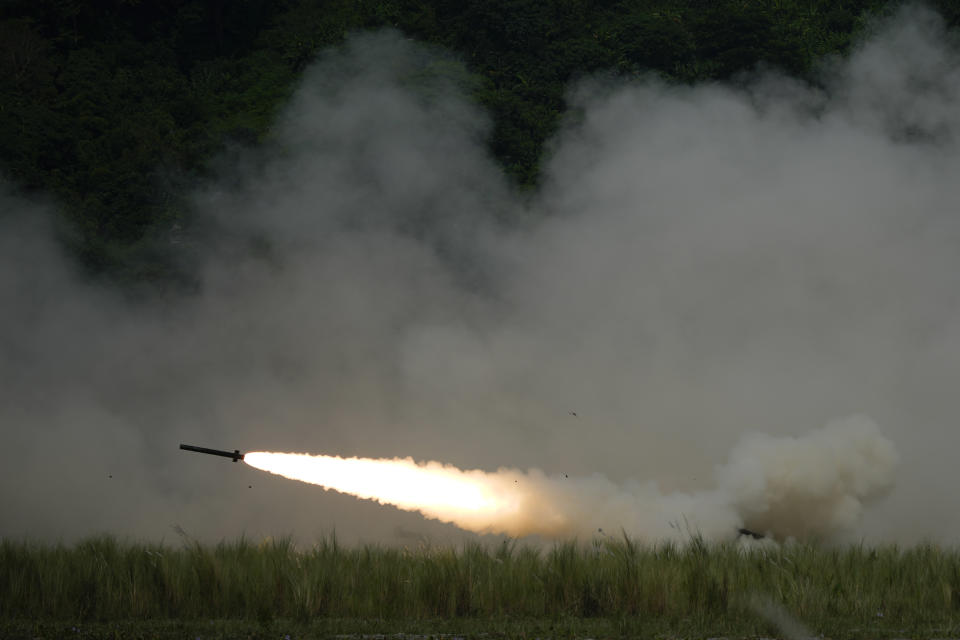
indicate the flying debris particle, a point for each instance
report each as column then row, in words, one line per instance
column 573, row 413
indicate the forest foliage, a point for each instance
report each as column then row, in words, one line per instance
column 114, row 108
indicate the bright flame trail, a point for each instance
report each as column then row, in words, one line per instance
column 439, row 491
column 400, row 482
column 813, row 485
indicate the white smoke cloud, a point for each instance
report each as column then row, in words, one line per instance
column 701, row 262
column 813, row 485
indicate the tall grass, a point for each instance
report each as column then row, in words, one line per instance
column 697, row 584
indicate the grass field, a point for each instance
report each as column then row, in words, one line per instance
column 103, row 587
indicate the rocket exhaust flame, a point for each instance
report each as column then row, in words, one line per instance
column 400, row 482
column 507, row 501
column 813, row 485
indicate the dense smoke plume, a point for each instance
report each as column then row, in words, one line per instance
column 701, row 264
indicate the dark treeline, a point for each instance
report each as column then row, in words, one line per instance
column 114, row 107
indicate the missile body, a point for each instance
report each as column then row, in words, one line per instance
column 235, row 454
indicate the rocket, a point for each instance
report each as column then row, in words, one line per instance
column 235, row 454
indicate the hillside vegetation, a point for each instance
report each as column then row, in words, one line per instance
column 114, row 108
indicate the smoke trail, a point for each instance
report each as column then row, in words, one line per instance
column 777, row 615
column 788, row 487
